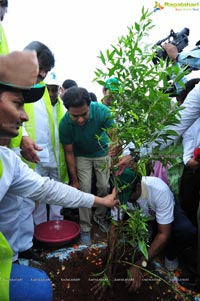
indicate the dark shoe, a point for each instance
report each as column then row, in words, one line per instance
column 32, row 254
column 86, row 238
column 102, row 223
column 171, row 264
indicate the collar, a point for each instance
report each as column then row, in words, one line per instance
column 144, row 194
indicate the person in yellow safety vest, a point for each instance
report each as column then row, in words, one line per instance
column 3, row 41
column 6, row 255
column 55, row 167
column 19, row 68
column 5, row 267
column 41, row 128
column 11, row 289
column 11, row 212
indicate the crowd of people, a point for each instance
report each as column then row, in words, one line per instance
column 54, row 147
column 19, row 183
column 187, row 128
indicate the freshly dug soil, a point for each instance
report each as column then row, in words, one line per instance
column 73, row 277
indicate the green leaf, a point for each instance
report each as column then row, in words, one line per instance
column 143, row 248
column 102, row 58
column 137, row 26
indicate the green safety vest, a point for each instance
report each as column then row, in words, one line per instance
column 3, row 41
column 16, row 141
column 30, row 128
column 6, row 255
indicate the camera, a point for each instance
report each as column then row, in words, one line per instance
column 179, row 39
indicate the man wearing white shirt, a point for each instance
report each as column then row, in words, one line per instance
column 52, row 162
column 190, row 180
column 39, row 135
column 169, row 226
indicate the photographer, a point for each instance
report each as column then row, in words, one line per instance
column 191, row 58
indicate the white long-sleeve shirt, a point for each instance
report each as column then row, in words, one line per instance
column 20, row 180
column 191, row 140
column 188, row 116
column 191, row 111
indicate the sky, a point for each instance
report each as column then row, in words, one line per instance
column 77, row 30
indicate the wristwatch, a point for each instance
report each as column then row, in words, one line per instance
column 144, row 263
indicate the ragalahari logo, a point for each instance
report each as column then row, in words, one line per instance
column 157, row 6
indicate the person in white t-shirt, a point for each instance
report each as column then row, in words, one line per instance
column 173, row 232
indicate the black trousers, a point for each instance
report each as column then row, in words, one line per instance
column 190, row 193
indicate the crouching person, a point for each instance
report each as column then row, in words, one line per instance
column 170, row 229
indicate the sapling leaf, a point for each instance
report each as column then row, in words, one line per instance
column 143, row 248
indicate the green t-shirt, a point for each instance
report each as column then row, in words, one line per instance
column 91, row 139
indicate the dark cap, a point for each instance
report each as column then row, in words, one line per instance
column 126, row 183
column 30, row 95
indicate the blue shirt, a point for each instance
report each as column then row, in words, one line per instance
column 191, row 59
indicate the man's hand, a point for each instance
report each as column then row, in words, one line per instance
column 75, row 184
column 29, row 148
column 194, row 164
column 124, row 162
column 19, row 68
column 171, row 50
column 109, row 201
column 136, row 279
column 115, row 150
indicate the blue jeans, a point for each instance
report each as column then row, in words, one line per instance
column 27, row 283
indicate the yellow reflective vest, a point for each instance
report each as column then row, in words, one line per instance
column 3, row 41
column 30, row 128
column 6, row 255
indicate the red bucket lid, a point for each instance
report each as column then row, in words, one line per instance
column 56, row 231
